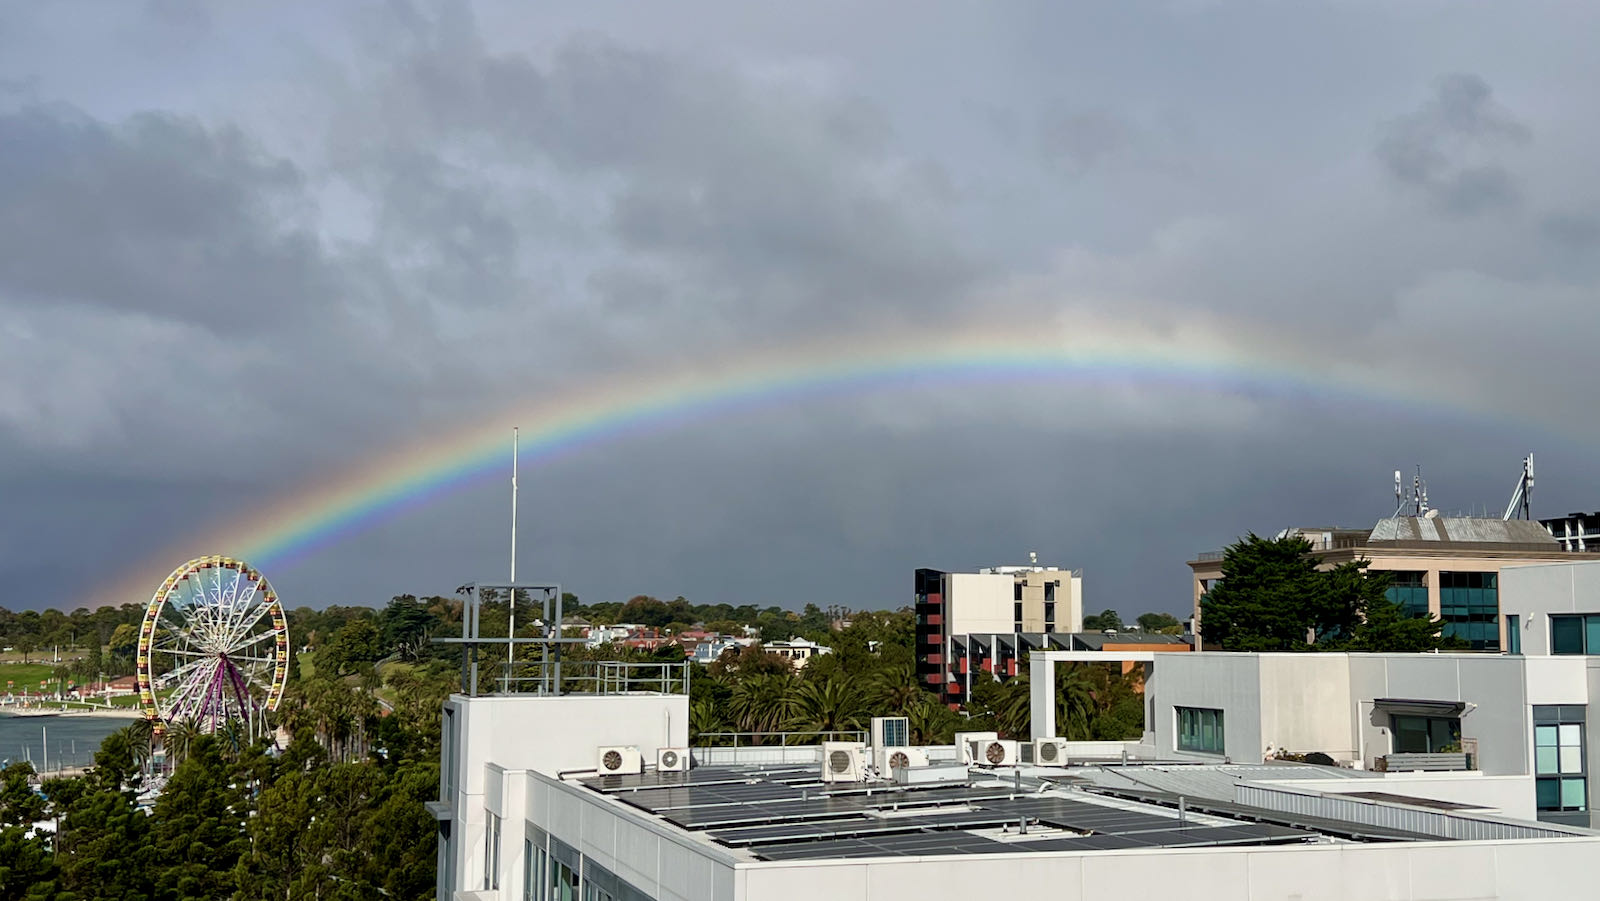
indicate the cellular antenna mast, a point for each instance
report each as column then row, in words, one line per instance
column 1417, row 504
column 1521, row 505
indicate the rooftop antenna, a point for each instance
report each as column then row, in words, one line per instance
column 1522, row 497
column 1418, row 503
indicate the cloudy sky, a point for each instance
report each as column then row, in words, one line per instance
column 242, row 249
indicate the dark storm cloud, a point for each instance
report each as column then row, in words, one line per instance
column 250, row 246
column 769, row 203
column 179, row 220
column 1434, row 148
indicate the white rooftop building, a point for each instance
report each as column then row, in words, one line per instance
column 576, row 783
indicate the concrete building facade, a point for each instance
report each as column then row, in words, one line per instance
column 1003, row 600
column 1509, row 732
column 1446, row 566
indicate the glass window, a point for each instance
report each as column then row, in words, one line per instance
column 1469, row 604
column 1407, row 590
column 1566, row 635
column 534, row 859
column 1200, row 729
column 563, row 882
column 491, row 853
column 1426, row 734
column 1561, row 783
column 1572, row 794
column 1591, row 635
column 1513, row 633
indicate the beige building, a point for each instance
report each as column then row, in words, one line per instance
column 1027, row 603
column 1444, row 565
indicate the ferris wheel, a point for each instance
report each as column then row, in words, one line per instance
column 214, row 646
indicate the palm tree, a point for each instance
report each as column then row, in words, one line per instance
column 1012, row 707
column 831, row 706
column 176, row 739
column 895, row 689
column 141, row 740
column 931, row 722
column 762, row 702
column 1075, row 703
column 704, row 718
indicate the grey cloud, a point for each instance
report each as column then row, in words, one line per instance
column 1575, row 231
column 770, row 202
column 1446, row 147
column 180, row 220
column 229, row 288
column 1081, row 140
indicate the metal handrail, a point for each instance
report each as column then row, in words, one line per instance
column 602, row 677
column 804, row 738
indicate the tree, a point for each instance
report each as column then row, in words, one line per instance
column 1160, row 623
column 1272, row 597
column 199, row 827
column 123, row 644
column 829, row 706
column 1006, row 705
column 1106, row 620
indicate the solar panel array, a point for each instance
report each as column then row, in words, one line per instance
column 785, row 813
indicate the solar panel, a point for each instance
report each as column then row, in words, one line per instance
column 753, row 814
column 659, row 800
column 703, row 776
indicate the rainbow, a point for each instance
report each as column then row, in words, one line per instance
column 1182, row 357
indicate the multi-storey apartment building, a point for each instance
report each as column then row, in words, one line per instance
column 1019, row 608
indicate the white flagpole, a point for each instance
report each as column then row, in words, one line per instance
column 511, row 649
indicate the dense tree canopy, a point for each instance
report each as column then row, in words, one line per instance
column 1273, row 597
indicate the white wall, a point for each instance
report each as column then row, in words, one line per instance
column 502, row 733
column 664, row 862
column 980, row 603
column 1306, row 704
column 1534, row 592
column 1494, row 685
column 1217, row 680
column 1510, row 870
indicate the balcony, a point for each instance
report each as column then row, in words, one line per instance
column 1446, row 762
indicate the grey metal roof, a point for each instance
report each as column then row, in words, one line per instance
column 1463, row 529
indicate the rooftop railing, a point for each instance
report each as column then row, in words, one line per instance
column 509, row 664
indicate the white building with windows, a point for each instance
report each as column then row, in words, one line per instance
column 564, row 780
column 1511, row 733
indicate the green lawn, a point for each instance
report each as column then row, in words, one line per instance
column 25, row 675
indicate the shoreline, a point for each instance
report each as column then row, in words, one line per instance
column 127, row 713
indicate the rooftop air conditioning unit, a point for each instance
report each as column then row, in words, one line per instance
column 964, row 742
column 901, row 759
column 672, row 760
column 1050, row 752
column 844, row 761
column 994, row 752
column 891, row 731
column 619, row 761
